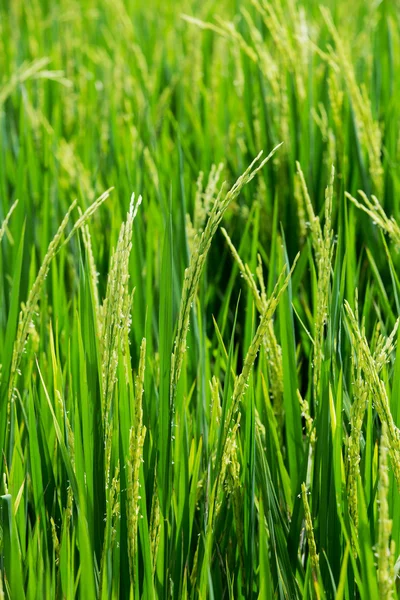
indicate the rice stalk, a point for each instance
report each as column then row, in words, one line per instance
column 369, row 130
column 33, row 70
column 88, row 213
column 265, row 60
column 229, row 433
column 115, row 321
column 312, row 548
column 324, row 276
column 112, row 517
column 322, row 120
column 193, row 272
column 287, row 46
column 386, row 548
column 155, row 524
column 322, row 241
column 301, row 213
column 358, row 407
column 226, row 29
column 271, row 306
column 202, row 203
column 115, row 505
column 275, row 68
column 374, row 209
column 357, row 411
column 137, row 435
column 309, row 421
column 233, row 488
column 240, row 384
column 92, row 268
column 56, row 543
column 228, row 462
column 370, row 369
column 272, row 349
column 26, row 315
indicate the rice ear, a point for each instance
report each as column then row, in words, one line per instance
column 198, row 258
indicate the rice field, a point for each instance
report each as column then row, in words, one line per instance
column 199, row 299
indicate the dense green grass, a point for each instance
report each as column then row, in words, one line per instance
column 192, row 465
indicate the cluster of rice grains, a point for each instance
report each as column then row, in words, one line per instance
column 172, row 428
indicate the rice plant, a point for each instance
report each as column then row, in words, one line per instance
column 199, row 366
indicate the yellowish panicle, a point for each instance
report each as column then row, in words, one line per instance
column 113, row 515
column 27, row 313
column 322, row 241
column 272, row 349
column 370, row 369
column 314, row 558
column 155, row 525
column 197, row 260
column 136, row 440
column 115, row 320
column 88, row 213
column 240, row 385
column 360, row 393
column 226, row 29
column 227, row 460
column 289, row 47
column 69, row 159
column 368, row 129
column 314, row 222
column 33, row 70
column 385, row 550
column 28, row 310
column 115, row 504
column 234, row 490
column 56, row 543
column 305, row 412
column 374, row 209
column 92, row 269
column 69, row 509
column 203, row 202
